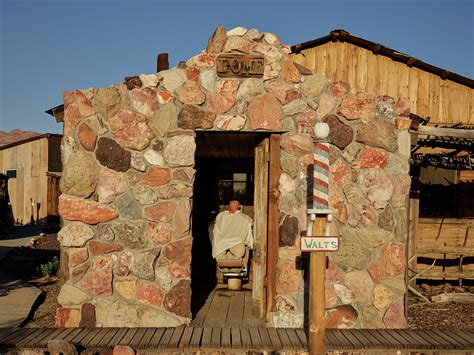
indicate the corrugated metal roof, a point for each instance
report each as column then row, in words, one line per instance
column 341, row 35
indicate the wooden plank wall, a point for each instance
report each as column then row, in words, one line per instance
column 445, row 101
column 31, row 162
column 451, row 242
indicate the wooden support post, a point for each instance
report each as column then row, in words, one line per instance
column 317, row 321
column 413, row 226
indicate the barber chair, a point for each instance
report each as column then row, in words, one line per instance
column 233, row 265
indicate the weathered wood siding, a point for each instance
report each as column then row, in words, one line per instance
column 445, row 101
column 450, row 242
column 30, row 160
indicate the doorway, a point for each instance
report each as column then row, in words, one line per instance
column 230, row 165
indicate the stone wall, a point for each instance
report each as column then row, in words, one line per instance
column 128, row 155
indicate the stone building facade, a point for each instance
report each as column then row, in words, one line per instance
column 128, row 154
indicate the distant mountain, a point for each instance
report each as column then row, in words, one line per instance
column 15, row 135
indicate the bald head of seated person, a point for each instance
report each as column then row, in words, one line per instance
column 232, row 233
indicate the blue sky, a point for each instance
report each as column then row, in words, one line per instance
column 50, row 46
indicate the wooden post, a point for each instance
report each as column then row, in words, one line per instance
column 162, row 62
column 317, row 322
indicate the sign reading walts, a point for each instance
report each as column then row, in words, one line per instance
column 320, row 243
column 240, row 66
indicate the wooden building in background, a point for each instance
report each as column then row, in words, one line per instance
column 441, row 245
column 446, row 97
column 34, row 168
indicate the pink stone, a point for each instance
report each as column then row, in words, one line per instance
column 265, row 112
column 402, row 123
column 97, row 248
column 376, row 271
column 122, row 268
column 227, row 86
column 305, row 122
column 340, row 89
column 76, row 107
column 144, row 101
column 376, row 186
column 330, row 299
column 123, row 350
column 401, row 185
column 150, row 294
column 393, row 258
column 160, row 212
column 193, row 74
column 362, row 216
column 236, row 43
column 184, row 174
column 340, row 172
column 359, row 106
column 67, row 317
column 97, row 282
column 158, row 233
column 103, row 262
column 179, row 252
column 394, row 317
column 111, row 183
column 181, row 219
column 77, row 256
column 306, row 161
column 403, row 107
column 289, row 278
column 341, row 317
column 164, row 97
column 292, row 94
column 76, row 209
column 191, row 94
column 338, row 204
column 290, row 72
column 361, row 285
column 156, row 177
column 221, row 102
column 87, row 137
column 179, row 272
column 326, row 105
column 297, row 144
column 276, row 88
column 203, row 60
column 371, row 158
column 130, row 129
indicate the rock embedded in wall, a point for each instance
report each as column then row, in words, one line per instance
column 143, row 264
column 179, row 151
column 378, row 133
column 130, row 129
column 75, row 235
column 80, row 175
column 76, row 107
column 110, row 154
column 341, row 317
column 75, row 209
column 97, row 282
column 130, row 234
column 177, row 299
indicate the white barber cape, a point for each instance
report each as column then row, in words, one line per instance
column 230, row 229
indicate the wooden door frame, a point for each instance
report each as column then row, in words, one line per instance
column 273, row 220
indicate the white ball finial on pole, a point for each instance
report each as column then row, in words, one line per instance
column 321, row 130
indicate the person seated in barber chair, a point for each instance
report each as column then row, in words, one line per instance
column 231, row 238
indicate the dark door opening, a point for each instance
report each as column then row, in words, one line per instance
column 225, row 166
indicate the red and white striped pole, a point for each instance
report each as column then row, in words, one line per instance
column 317, row 225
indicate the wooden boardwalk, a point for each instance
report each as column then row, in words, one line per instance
column 189, row 338
column 224, row 307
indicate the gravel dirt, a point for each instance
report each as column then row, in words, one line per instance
column 24, row 261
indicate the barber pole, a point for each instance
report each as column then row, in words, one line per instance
column 321, row 176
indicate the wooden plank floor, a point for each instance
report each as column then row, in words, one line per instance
column 234, row 337
column 225, row 308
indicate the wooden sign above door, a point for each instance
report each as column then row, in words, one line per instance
column 240, row 66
